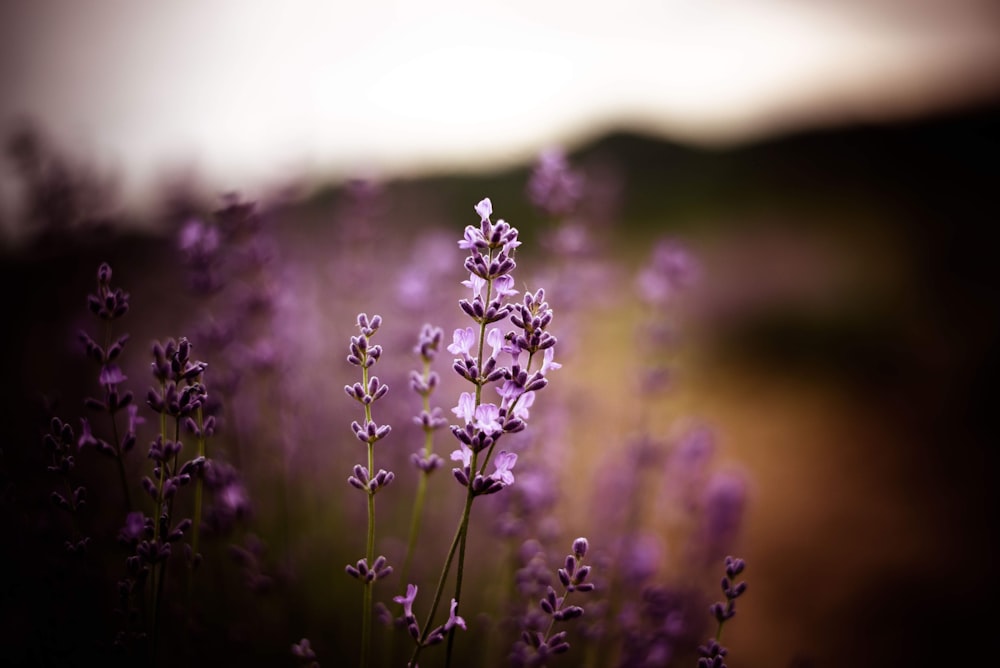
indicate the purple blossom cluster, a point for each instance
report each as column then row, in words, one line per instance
column 481, row 424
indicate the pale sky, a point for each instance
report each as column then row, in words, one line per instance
column 249, row 91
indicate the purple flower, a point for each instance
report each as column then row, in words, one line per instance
column 134, row 419
column 476, row 284
column 554, row 187
column 724, row 500
column 503, row 287
column 428, row 342
column 111, row 375
column 485, row 209
column 463, row 454
column 547, row 361
column 466, row 407
column 488, row 419
column 495, row 339
column 135, row 525
column 198, row 239
column 504, row 462
column 671, row 270
column 86, row 435
column 453, row 619
column 521, row 407
column 463, row 340
column 407, row 601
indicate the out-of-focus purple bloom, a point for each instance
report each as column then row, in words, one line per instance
column 671, row 270
column 553, row 187
column 134, row 419
column 86, row 435
column 428, row 342
column 548, row 363
column 198, row 238
column 111, row 375
column 724, row 500
column 303, row 651
column 643, row 557
column 521, row 408
column 135, row 526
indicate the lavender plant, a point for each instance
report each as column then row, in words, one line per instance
column 110, row 304
column 430, row 420
column 538, row 644
column 364, row 354
column 179, row 398
column 713, row 653
column 62, row 447
column 490, row 263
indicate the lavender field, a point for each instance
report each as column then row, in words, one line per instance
column 374, row 424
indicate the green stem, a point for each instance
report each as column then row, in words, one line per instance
column 198, row 501
column 119, row 455
column 160, row 568
column 464, row 526
column 463, row 522
column 418, row 503
column 464, row 531
column 366, row 608
column 418, row 510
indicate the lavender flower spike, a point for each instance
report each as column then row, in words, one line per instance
column 713, row 653
column 537, row 645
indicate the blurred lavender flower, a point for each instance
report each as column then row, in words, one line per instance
column 671, row 270
column 553, row 187
column 303, row 652
column 723, row 502
column 62, row 447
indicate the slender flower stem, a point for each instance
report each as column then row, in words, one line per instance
column 418, row 503
column 119, row 455
column 160, row 573
column 366, row 620
column 441, row 580
column 198, row 501
column 467, row 512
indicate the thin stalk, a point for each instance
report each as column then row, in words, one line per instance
column 464, row 526
column 119, row 455
column 366, row 608
column 198, row 501
column 160, row 569
column 464, row 531
column 418, row 503
column 441, row 580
